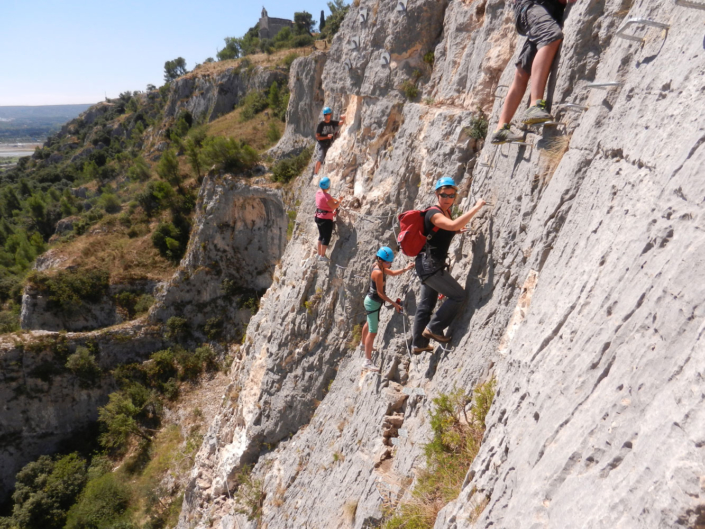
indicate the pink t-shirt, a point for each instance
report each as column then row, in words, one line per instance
column 322, row 199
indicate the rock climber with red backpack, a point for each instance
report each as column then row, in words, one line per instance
column 375, row 299
column 439, row 228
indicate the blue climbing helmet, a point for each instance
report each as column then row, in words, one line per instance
column 327, row 110
column 324, row 183
column 386, row 254
column 445, row 181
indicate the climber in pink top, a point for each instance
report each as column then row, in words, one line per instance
column 325, row 213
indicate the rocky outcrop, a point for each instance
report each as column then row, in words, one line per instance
column 44, row 403
column 238, row 237
column 207, row 97
column 583, row 279
column 306, row 101
column 36, row 313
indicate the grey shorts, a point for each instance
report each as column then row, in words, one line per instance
column 540, row 28
column 321, row 153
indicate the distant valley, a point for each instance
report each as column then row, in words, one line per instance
column 33, row 124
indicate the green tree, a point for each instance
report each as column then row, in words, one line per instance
column 45, row 490
column 139, row 170
column 10, row 202
column 338, row 10
column 130, row 412
column 83, row 364
column 103, row 503
column 303, row 23
column 168, row 168
column 174, row 69
column 228, row 154
column 322, row 23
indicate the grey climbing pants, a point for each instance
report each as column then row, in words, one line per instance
column 439, row 283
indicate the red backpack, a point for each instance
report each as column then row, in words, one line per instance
column 412, row 238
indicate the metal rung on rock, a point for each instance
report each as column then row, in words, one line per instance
column 401, row 5
column 690, row 3
column 573, row 106
column 553, row 123
column 622, row 31
column 348, row 64
column 385, row 59
column 605, row 86
column 363, row 15
column 355, row 43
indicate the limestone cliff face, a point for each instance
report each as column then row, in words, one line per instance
column 44, row 404
column 305, row 104
column 239, row 234
column 208, row 97
column 584, row 284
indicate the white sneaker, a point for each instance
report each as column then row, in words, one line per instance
column 322, row 258
column 367, row 365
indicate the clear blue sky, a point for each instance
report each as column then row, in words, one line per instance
column 56, row 52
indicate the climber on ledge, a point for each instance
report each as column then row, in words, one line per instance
column 375, row 299
column 325, row 132
column 431, row 268
column 540, row 21
column 325, row 213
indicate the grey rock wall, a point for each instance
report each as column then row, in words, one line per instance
column 238, row 236
column 306, row 101
column 208, row 97
column 583, row 278
column 44, row 404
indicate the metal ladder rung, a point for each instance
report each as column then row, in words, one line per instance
column 690, row 3
column 573, row 106
column 605, row 86
column 621, row 32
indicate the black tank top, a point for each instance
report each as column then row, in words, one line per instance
column 372, row 293
column 440, row 242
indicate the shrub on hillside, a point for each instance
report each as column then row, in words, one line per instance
column 67, row 290
column 171, row 238
column 109, row 202
column 45, row 490
column 102, row 504
column 286, row 170
column 83, row 364
column 156, row 197
column 168, row 168
column 456, row 438
column 228, row 155
column 253, row 103
column 139, row 170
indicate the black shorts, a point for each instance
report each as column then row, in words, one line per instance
column 325, row 230
column 540, row 28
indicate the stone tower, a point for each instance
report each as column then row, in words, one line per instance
column 268, row 27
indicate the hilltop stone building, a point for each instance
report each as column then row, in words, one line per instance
column 268, row 27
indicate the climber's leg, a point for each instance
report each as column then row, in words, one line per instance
column 325, row 232
column 541, row 68
column 365, row 330
column 544, row 37
column 428, row 297
column 444, row 283
column 514, row 97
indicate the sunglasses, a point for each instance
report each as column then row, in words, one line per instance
column 446, row 195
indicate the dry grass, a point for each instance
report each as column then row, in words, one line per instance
column 457, row 436
column 349, row 511
column 552, row 156
column 259, row 59
column 253, row 132
column 124, row 258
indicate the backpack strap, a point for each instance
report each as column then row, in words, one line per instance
column 435, row 228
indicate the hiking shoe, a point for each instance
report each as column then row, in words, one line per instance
column 505, row 135
column 438, row 337
column 419, row 350
column 367, row 365
column 322, row 258
column 537, row 114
